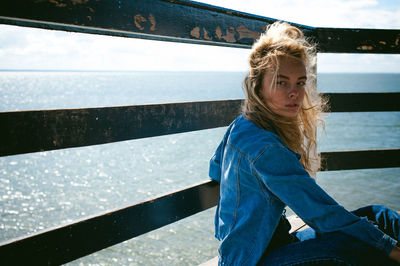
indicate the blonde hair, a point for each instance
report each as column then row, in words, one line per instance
column 300, row 133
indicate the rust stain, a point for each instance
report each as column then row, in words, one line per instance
column 230, row 35
column 329, row 38
column 153, row 22
column 57, row 3
column 89, row 18
column 218, row 32
column 365, row 48
column 246, row 33
column 79, row 2
column 206, row 34
column 382, row 42
column 138, row 19
column 396, row 42
column 195, row 32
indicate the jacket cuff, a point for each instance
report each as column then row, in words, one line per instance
column 387, row 244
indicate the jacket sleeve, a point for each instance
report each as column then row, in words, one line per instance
column 215, row 164
column 282, row 173
column 214, row 170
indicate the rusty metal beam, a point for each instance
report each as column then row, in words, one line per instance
column 59, row 129
column 181, row 21
column 364, row 102
column 60, row 245
column 66, row 243
column 364, row 159
column 373, row 41
column 33, row 131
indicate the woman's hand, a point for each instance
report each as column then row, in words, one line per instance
column 395, row 254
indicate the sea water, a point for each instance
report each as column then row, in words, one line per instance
column 46, row 189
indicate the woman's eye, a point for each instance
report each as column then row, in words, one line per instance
column 301, row 83
column 280, row 82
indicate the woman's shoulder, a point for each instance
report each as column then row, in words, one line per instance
column 247, row 137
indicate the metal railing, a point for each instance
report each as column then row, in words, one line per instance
column 163, row 20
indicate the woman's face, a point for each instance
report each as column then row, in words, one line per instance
column 287, row 98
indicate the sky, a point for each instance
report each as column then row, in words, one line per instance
column 30, row 48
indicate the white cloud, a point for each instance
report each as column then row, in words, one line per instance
column 43, row 49
column 24, row 48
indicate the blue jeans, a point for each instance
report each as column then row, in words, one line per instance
column 308, row 248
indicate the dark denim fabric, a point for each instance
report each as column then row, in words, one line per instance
column 259, row 176
column 333, row 248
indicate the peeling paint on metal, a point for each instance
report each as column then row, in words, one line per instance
column 138, row 19
column 74, row 2
column 79, row 2
column 244, row 32
column 57, row 3
column 206, row 34
column 153, row 22
column 195, row 32
column 230, row 35
column 218, row 32
column 365, row 48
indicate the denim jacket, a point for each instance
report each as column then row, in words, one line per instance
column 259, row 176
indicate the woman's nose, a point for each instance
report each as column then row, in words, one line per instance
column 293, row 92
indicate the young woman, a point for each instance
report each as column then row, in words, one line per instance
column 266, row 161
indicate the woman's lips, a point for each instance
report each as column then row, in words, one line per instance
column 293, row 106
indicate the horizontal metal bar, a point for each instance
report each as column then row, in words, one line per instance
column 33, row 131
column 375, row 41
column 365, row 159
column 60, row 245
column 364, row 102
column 69, row 242
column 181, row 21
